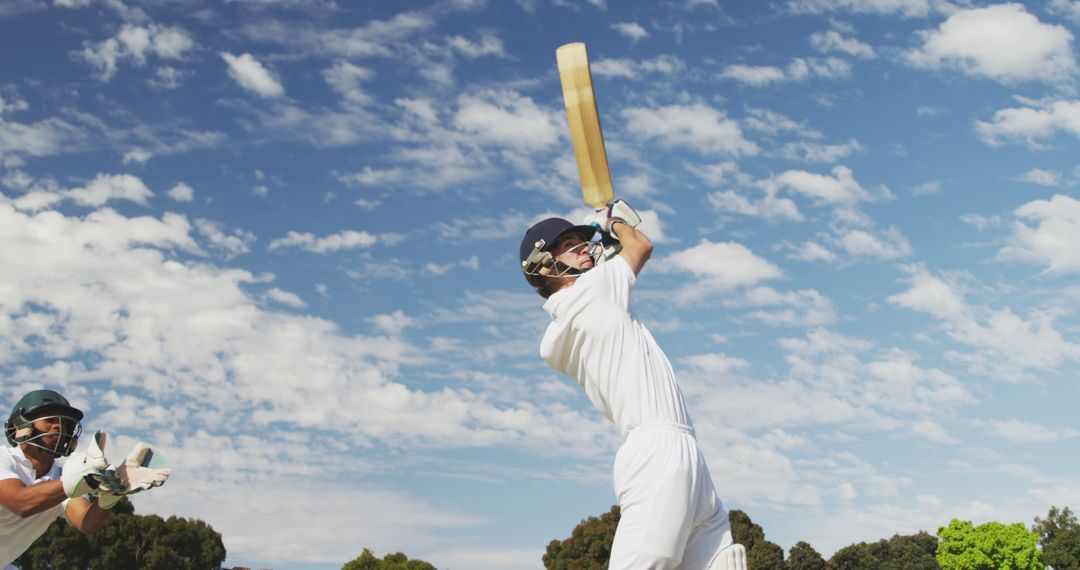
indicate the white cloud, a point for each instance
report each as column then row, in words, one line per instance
column 631, row 30
column 926, row 188
column 807, row 307
column 394, row 323
column 931, row 295
column 181, row 192
column 1018, row 431
column 408, row 523
column 903, row 8
column 934, row 431
column 43, row 138
column 234, row 243
column 1003, row 42
column 831, row 41
column 637, row 69
column 696, row 127
column 14, row 104
column 812, row 251
column 1050, row 238
column 348, row 239
column 769, row 207
column 135, row 44
column 285, row 298
column 1038, row 120
column 345, row 78
column 839, row 189
column 487, row 45
column 252, row 76
column 1006, row 345
column 815, row 152
column 137, row 155
column 422, row 109
column 506, row 118
column 981, row 222
column 1041, row 177
column 1067, row 8
column 373, row 177
column 99, row 191
column 887, row 245
column 717, row 267
column 773, row 123
column 716, row 364
column 797, row 70
column 756, row 76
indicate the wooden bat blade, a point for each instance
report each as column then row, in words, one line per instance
column 581, row 113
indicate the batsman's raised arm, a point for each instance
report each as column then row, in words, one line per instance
column 636, row 246
column 621, row 220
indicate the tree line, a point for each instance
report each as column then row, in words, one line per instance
column 149, row 542
column 1053, row 542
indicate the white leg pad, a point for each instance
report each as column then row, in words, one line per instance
column 730, row 558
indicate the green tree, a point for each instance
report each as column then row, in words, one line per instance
column 128, row 541
column 1059, row 538
column 589, row 545
column 396, row 561
column 761, row 554
column 802, row 556
column 989, row 546
column 901, row 552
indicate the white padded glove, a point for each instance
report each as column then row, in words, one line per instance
column 135, row 474
column 85, row 472
column 619, row 209
column 615, row 211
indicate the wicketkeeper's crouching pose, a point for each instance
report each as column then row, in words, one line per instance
column 35, row 490
column 671, row 515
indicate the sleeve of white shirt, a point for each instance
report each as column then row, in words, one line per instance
column 616, row 279
column 7, row 467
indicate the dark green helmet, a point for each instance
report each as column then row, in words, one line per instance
column 40, row 404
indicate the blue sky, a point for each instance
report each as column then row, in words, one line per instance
column 276, row 239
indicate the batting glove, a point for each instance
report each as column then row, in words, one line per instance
column 616, row 211
column 619, row 209
column 85, row 472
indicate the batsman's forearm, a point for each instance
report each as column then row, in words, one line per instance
column 636, row 246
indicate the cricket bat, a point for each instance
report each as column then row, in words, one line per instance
column 581, row 112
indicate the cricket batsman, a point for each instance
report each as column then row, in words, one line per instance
column 671, row 517
column 34, row 489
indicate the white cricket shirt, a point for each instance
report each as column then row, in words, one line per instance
column 17, row 534
column 595, row 338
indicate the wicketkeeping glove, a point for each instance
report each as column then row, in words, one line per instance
column 135, row 474
column 84, row 472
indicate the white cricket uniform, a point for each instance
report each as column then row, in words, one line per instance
column 671, row 515
column 16, row 533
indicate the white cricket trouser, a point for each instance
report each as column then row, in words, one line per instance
column 671, row 517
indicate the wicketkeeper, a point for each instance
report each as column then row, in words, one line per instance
column 671, row 517
column 35, row 490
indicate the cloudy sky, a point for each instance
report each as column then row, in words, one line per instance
column 277, row 239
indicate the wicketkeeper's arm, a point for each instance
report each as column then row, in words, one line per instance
column 85, row 515
column 27, row 500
